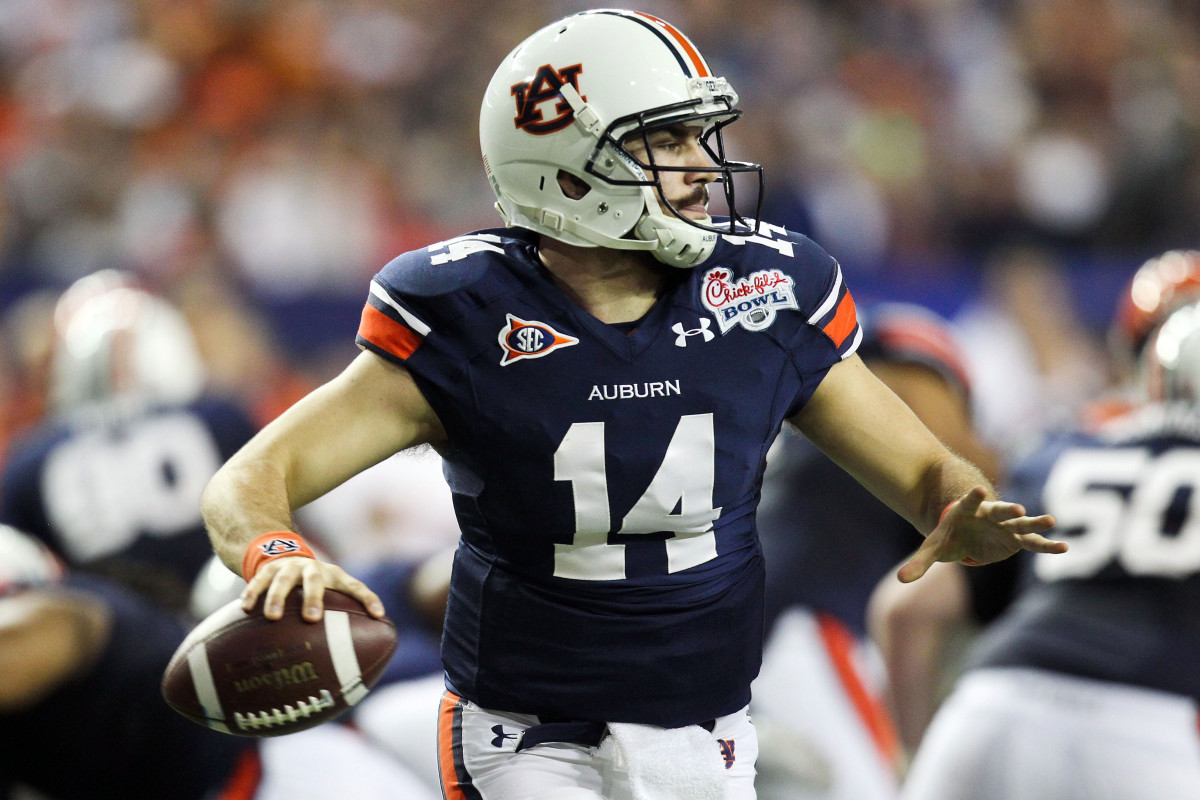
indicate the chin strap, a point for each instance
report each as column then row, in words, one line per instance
column 551, row 222
column 677, row 244
column 672, row 241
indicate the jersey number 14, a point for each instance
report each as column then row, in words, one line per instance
column 679, row 500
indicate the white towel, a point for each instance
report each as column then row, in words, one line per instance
column 667, row 763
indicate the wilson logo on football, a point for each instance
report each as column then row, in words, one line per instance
column 751, row 301
column 543, row 88
column 523, row 339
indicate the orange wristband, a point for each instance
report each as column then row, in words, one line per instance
column 275, row 544
column 946, row 510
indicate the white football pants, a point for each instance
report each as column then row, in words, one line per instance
column 478, row 758
column 1024, row 734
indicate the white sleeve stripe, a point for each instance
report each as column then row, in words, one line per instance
column 206, row 688
column 414, row 323
column 858, row 337
column 345, row 660
column 830, row 299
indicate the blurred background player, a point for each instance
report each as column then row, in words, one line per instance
column 1159, row 286
column 81, row 716
column 80, row 710
column 1088, row 676
column 824, row 729
column 111, row 479
column 921, row 630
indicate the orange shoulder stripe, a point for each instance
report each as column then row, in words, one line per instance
column 843, row 322
column 382, row 331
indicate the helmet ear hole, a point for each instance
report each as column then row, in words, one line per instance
column 573, row 187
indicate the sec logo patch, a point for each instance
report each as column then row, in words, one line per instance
column 530, row 339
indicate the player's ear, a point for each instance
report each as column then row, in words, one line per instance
column 572, row 187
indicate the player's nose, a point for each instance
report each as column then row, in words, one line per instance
column 702, row 165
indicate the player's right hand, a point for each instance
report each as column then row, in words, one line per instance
column 975, row 530
column 276, row 579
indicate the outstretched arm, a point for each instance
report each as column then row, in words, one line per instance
column 865, row 428
column 370, row 411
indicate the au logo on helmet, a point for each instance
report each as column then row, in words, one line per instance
column 543, row 88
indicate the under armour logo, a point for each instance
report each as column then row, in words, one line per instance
column 681, row 339
column 501, row 736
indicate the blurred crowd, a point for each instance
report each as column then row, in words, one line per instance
column 1008, row 163
column 245, row 157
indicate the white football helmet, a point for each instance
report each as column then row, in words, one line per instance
column 25, row 563
column 115, row 340
column 567, row 98
column 1171, row 361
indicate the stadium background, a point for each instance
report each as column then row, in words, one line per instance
column 256, row 161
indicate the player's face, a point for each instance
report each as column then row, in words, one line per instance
column 678, row 146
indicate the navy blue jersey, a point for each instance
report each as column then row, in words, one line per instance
column 606, row 480
column 1123, row 604
column 118, row 492
column 826, row 539
column 108, row 733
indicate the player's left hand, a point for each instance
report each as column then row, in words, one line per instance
column 978, row 531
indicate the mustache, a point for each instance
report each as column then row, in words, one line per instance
column 698, row 196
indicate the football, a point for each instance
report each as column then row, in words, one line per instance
column 245, row 675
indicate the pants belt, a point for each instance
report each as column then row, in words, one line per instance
column 587, row 734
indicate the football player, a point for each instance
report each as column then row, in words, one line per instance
column 111, row 481
column 820, row 691
column 603, row 378
column 920, row 627
column 1158, row 287
column 1088, row 676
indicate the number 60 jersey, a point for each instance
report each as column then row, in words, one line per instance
column 606, row 479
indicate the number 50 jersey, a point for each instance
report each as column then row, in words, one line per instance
column 1123, row 604
column 606, row 479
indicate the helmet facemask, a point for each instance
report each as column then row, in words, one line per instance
column 644, row 124
column 682, row 240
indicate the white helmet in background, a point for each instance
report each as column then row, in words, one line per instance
column 1171, row 360
column 116, row 340
column 564, row 101
column 215, row 586
column 25, row 563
